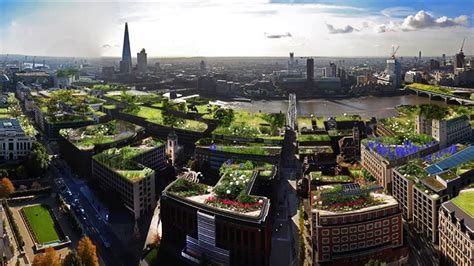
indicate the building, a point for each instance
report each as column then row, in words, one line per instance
column 39, row 78
column 421, row 187
column 310, row 69
column 126, row 62
column 349, row 146
column 379, row 159
column 459, row 62
column 142, row 61
column 456, row 230
column 331, row 70
column 124, row 173
column 434, row 64
column 172, row 146
column 447, row 131
column 367, row 230
column 413, row 77
column 15, row 144
column 197, row 227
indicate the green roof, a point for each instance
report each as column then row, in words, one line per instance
column 465, row 201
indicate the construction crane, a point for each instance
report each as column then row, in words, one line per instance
column 462, row 45
column 394, row 51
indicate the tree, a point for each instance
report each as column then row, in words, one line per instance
column 72, row 259
column 49, row 258
column 21, row 172
column 224, row 116
column 6, row 187
column 87, row 252
column 275, row 120
column 3, row 172
column 37, row 160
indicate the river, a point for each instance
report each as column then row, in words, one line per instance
column 366, row 107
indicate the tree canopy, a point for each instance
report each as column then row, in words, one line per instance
column 37, row 160
column 87, row 252
column 6, row 187
column 49, row 258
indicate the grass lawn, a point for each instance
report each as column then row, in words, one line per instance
column 154, row 115
column 465, row 201
column 41, row 223
column 306, row 122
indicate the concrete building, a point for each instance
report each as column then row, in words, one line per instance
column 413, row 77
column 172, row 146
column 125, row 173
column 456, row 230
column 421, row 188
column 142, row 61
column 197, row 230
column 310, row 69
column 381, row 166
column 446, row 131
column 374, row 231
column 14, row 143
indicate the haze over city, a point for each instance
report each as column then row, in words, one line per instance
column 236, row 27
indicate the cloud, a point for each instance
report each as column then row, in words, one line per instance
column 397, row 11
column 106, row 46
column 346, row 29
column 277, row 36
column 423, row 20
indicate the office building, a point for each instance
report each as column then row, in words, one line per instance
column 14, row 143
column 456, row 230
column 331, row 70
column 447, row 131
column 127, row 174
column 126, row 62
column 379, row 159
column 142, row 61
column 422, row 185
column 459, row 60
column 202, row 222
column 371, row 228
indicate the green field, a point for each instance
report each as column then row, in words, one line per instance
column 41, row 223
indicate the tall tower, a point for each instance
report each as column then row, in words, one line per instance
column 310, row 69
column 142, row 61
column 172, row 146
column 126, row 62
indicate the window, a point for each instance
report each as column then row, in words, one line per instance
column 325, row 248
column 325, row 240
column 361, row 228
column 378, row 232
column 336, row 232
column 344, row 230
column 335, row 239
column 377, row 224
column 325, row 232
column 386, row 222
column 370, row 226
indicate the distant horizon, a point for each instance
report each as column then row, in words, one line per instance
column 236, row 28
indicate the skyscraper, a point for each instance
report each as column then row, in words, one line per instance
column 310, row 69
column 126, row 62
column 142, row 61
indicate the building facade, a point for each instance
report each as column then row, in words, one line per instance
column 456, row 234
column 445, row 131
column 355, row 237
column 14, row 143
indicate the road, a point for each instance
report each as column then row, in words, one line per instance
column 421, row 250
column 95, row 227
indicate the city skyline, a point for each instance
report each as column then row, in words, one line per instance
column 236, row 28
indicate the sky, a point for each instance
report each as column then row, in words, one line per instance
column 175, row 28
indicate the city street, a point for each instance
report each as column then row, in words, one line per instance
column 421, row 250
column 110, row 248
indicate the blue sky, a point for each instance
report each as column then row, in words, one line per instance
column 236, row 27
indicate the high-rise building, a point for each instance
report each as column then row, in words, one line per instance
column 310, row 69
column 142, row 61
column 394, row 69
column 459, row 60
column 126, row 62
column 291, row 63
column 331, row 71
column 444, row 60
column 419, row 56
column 203, row 67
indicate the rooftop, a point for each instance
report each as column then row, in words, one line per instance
column 85, row 138
column 465, row 201
column 121, row 160
column 230, row 194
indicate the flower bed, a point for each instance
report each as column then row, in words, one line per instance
column 233, row 204
column 395, row 147
column 186, row 188
column 345, row 203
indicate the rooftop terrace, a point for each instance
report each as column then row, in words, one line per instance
column 85, row 138
column 465, row 201
column 121, row 160
column 230, row 194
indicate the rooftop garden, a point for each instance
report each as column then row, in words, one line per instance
column 307, row 122
column 244, row 124
column 437, row 89
column 134, row 97
column 465, row 201
column 232, row 190
column 121, row 161
column 86, row 137
column 13, row 110
column 187, row 188
column 338, row 201
column 413, row 169
column 399, row 146
column 240, row 148
column 160, row 117
column 313, row 137
column 317, row 176
column 314, row 149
